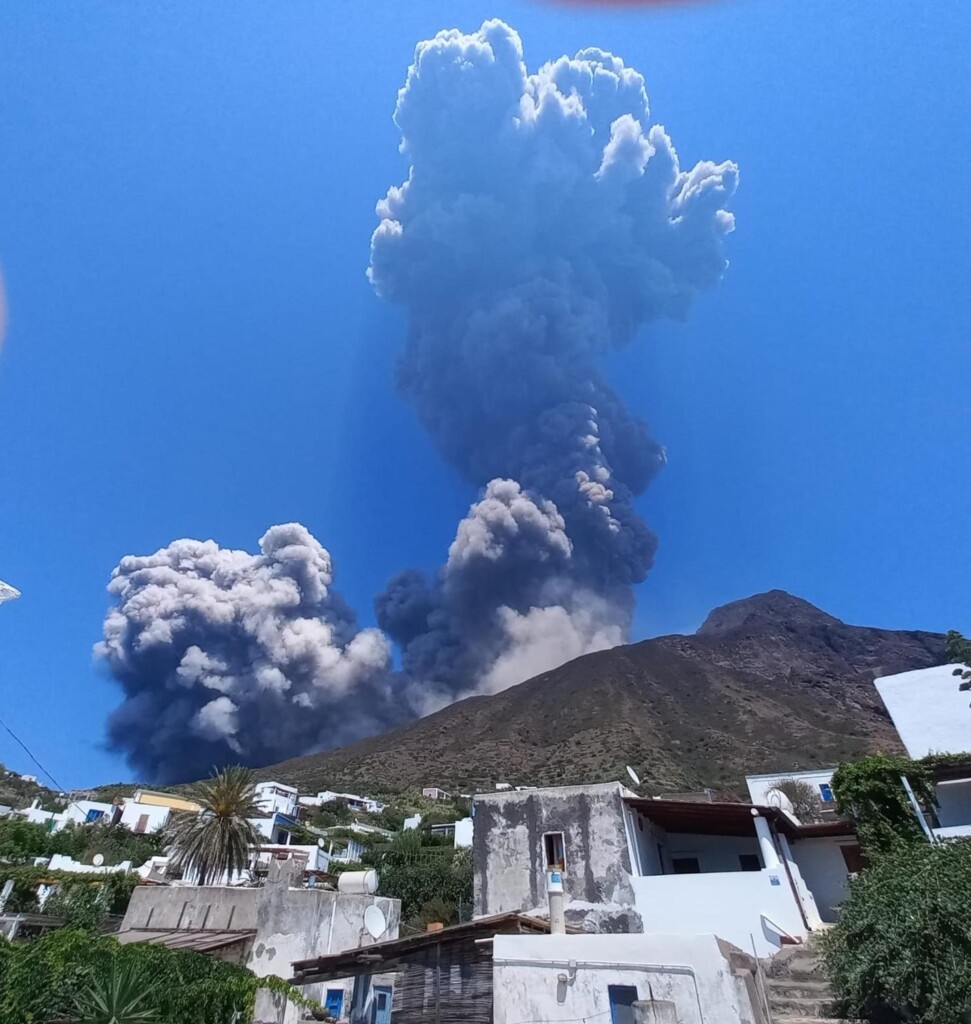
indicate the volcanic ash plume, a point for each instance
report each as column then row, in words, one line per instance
column 224, row 655
column 542, row 223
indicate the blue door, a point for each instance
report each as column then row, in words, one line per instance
column 382, row 1004
column 335, row 1002
column 622, row 999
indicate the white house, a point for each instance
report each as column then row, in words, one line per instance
column 460, row 831
column 148, row 811
column 760, row 786
column 689, row 979
column 434, row 793
column 77, row 812
column 276, row 798
column 353, row 801
column 932, row 716
column 752, row 875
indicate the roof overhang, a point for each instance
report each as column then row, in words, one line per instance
column 384, row 956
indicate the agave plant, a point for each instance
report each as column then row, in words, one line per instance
column 124, row 995
column 215, row 841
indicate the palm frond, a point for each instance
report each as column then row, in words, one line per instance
column 216, row 840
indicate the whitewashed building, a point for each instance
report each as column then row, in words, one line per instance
column 276, row 798
column 752, row 875
column 931, row 714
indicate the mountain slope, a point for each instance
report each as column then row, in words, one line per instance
column 767, row 683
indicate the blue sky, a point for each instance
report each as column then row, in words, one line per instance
column 186, row 198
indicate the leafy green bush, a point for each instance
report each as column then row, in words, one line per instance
column 21, row 841
column 39, row 980
column 419, row 875
column 902, row 948
column 82, row 899
column 870, row 792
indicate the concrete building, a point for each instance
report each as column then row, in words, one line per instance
column 276, row 798
column 77, row 812
column 354, row 802
column 631, row 864
column 434, row 793
column 820, row 779
column 460, row 831
column 264, row 929
column 148, row 811
column 931, row 714
column 678, row 979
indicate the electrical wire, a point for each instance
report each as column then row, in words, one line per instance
column 30, row 754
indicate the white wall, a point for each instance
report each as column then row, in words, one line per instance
column 690, row 971
column 930, row 712
column 463, row 832
column 759, row 785
column 275, row 798
column 77, row 812
column 60, row 862
column 822, row 866
column 714, row 853
column 132, row 813
column 734, row 905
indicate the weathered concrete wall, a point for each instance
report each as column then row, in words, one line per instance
column 290, row 924
column 191, row 908
column 508, row 849
column 566, row 977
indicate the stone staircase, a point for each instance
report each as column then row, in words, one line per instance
column 797, row 988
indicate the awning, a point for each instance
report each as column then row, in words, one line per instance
column 172, row 938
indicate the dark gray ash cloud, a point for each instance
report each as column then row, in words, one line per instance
column 543, row 223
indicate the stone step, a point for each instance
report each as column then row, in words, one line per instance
column 798, row 1006
column 797, row 988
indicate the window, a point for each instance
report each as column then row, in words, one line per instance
column 685, row 866
column 749, row 862
column 826, row 792
column 553, row 848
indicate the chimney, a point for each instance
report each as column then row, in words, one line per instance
column 554, row 891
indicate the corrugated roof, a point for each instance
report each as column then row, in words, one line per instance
column 172, row 938
column 384, row 955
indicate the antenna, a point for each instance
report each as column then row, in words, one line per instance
column 7, row 592
column 635, row 778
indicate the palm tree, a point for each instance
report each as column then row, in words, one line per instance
column 121, row 996
column 216, row 840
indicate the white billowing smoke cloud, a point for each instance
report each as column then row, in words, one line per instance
column 543, row 222
column 222, row 653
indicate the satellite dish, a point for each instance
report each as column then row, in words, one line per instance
column 776, row 798
column 98, row 859
column 320, row 843
column 375, row 921
column 635, row 778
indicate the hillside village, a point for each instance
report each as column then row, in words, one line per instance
column 511, row 903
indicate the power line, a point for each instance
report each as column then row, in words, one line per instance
column 30, row 754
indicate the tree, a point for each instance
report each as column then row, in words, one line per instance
column 902, row 948
column 216, row 840
column 806, row 804
column 958, row 650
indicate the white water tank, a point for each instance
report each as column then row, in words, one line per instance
column 358, row 883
